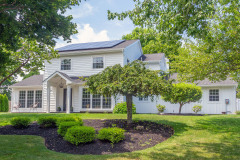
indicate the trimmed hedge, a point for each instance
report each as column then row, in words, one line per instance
column 63, row 127
column 69, row 119
column 4, row 107
column 121, row 108
column 47, row 122
column 80, row 134
column 20, row 122
column 114, row 135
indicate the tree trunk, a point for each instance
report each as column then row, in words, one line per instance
column 180, row 108
column 129, row 108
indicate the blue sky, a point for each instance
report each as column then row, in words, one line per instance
column 93, row 25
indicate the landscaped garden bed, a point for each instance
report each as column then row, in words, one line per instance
column 139, row 135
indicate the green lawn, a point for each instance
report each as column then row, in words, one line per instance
column 196, row 137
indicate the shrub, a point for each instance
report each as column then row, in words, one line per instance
column 4, row 107
column 238, row 112
column 121, row 108
column 20, row 122
column 114, row 135
column 197, row 108
column 69, row 119
column 47, row 122
column 63, row 127
column 161, row 108
column 80, row 134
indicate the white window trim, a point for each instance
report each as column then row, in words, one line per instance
column 214, row 102
column 103, row 62
column 96, row 109
column 61, row 64
column 34, row 96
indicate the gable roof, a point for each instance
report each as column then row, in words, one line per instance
column 151, row 57
column 35, row 80
column 115, row 44
column 207, row 82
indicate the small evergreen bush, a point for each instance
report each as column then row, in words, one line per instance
column 20, row 122
column 238, row 112
column 69, row 119
column 63, row 127
column 197, row 108
column 114, row 135
column 121, row 108
column 80, row 134
column 4, row 107
column 161, row 108
column 47, row 122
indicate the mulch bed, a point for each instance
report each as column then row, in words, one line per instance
column 139, row 135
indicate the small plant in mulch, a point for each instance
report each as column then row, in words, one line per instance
column 69, row 119
column 161, row 108
column 47, row 122
column 197, row 108
column 20, row 122
column 80, row 134
column 114, row 135
column 64, row 126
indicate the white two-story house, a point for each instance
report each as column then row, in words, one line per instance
column 61, row 85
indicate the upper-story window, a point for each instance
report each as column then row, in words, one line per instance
column 66, row 64
column 145, row 98
column 97, row 62
column 213, row 95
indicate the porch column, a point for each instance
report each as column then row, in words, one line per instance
column 68, row 99
column 48, row 97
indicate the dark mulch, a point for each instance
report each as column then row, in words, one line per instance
column 136, row 138
column 182, row 114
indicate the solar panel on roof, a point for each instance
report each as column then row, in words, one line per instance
column 91, row 45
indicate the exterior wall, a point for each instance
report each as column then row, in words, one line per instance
column 15, row 100
column 208, row 107
column 132, row 52
column 81, row 65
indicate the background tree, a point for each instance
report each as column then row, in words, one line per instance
column 216, row 56
column 154, row 42
column 41, row 21
column 30, row 56
column 4, row 87
column 130, row 80
column 183, row 93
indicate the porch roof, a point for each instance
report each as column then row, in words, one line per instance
column 72, row 79
column 35, row 80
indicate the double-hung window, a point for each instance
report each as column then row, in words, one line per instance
column 213, row 95
column 98, row 62
column 145, row 98
column 66, row 64
column 28, row 98
column 95, row 101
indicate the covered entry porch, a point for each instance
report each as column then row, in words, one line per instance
column 69, row 94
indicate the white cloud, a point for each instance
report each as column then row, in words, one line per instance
column 86, row 34
column 85, row 9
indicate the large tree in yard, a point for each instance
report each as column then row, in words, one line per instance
column 130, row 80
column 183, row 93
column 36, row 22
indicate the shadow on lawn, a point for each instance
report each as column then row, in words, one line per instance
column 219, row 125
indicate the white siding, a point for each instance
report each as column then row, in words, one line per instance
column 132, row 52
column 208, row 107
column 81, row 65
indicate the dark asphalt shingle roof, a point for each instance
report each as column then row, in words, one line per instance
column 35, row 80
column 207, row 82
column 151, row 57
column 121, row 44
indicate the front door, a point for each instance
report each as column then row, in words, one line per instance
column 65, row 99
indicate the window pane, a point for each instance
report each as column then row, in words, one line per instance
column 66, row 64
column 107, row 102
column 22, row 98
column 214, row 95
column 30, row 96
column 96, row 101
column 38, row 98
column 98, row 62
column 85, row 98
